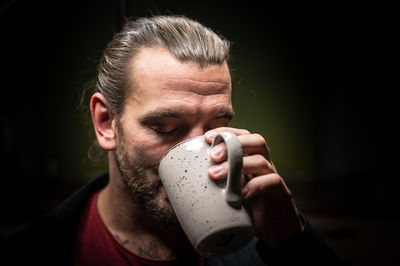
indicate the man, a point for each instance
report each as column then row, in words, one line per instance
column 162, row 80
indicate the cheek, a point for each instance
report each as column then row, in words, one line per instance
column 147, row 147
column 150, row 150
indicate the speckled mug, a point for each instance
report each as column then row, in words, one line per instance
column 210, row 212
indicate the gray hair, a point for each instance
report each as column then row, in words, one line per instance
column 186, row 39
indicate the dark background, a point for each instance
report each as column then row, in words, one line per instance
column 315, row 79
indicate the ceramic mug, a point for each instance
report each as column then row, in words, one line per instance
column 210, row 212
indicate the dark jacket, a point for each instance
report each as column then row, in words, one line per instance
column 50, row 240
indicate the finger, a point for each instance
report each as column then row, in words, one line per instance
column 218, row 171
column 254, row 165
column 251, row 144
column 270, row 184
column 210, row 135
column 254, row 144
column 218, row 153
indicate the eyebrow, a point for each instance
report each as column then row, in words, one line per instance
column 158, row 114
column 174, row 113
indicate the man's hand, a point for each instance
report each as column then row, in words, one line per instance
column 274, row 213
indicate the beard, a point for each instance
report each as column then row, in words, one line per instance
column 142, row 181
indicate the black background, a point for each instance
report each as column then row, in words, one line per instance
column 344, row 51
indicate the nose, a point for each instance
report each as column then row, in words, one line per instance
column 195, row 132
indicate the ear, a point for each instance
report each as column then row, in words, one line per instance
column 103, row 122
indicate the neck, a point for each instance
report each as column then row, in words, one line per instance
column 132, row 226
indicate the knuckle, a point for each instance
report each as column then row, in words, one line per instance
column 256, row 184
column 244, row 132
column 261, row 161
column 218, row 129
column 276, row 180
column 260, row 139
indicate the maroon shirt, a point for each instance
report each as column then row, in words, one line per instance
column 95, row 245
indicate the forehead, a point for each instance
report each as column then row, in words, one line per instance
column 156, row 69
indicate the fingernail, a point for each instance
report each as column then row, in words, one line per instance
column 216, row 152
column 211, row 134
column 216, row 170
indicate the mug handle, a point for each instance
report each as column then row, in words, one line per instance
column 233, row 190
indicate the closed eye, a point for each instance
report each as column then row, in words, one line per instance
column 164, row 132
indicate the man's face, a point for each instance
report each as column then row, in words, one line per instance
column 171, row 101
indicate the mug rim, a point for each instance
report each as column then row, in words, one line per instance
column 179, row 144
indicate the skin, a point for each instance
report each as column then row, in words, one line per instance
column 171, row 102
